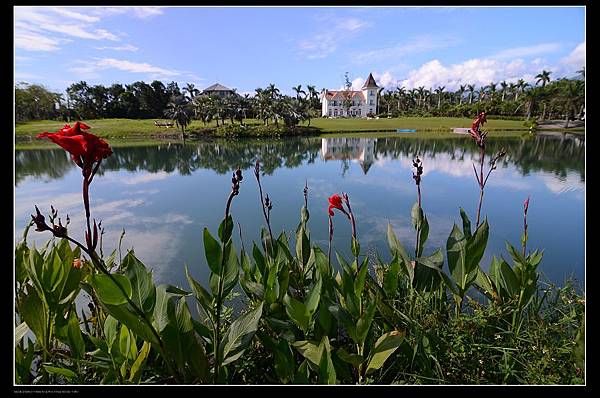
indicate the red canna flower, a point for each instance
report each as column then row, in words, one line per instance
column 77, row 263
column 476, row 132
column 335, row 201
column 85, row 148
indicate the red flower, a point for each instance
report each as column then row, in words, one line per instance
column 335, row 201
column 85, row 148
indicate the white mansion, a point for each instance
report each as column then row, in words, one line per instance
column 362, row 103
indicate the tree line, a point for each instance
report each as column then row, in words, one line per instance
column 546, row 99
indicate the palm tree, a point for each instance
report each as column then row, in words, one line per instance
column 191, row 90
column 439, row 92
column 504, row 85
column 471, row 89
column 298, row 90
column 543, row 77
column 492, row 90
column 313, row 95
column 530, row 98
column 461, row 91
column 521, row 84
column 512, row 89
column 400, row 93
column 572, row 94
column 178, row 111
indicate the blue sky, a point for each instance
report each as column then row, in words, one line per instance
column 247, row 48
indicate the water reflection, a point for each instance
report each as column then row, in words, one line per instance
column 360, row 149
column 165, row 194
column 556, row 155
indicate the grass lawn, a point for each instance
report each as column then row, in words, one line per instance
column 130, row 127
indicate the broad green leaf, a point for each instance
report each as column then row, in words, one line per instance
column 282, row 355
column 390, row 278
column 312, row 301
column 108, row 290
column 309, row 350
column 297, row 312
column 364, row 322
column 212, row 251
column 203, row 297
column 110, row 331
column 466, row 223
column 416, row 215
column 127, row 344
column 138, row 366
column 232, row 268
column 225, row 229
column 143, row 289
column 69, row 374
column 326, row 369
column 384, row 347
column 302, row 374
column 359, row 282
column 239, row 335
column 33, row 312
column 353, row 359
column 76, row 342
column 395, row 245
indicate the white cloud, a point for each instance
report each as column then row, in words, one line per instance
column 575, row 60
column 419, row 44
column 125, row 47
column 529, row 51
column 137, row 12
column 31, row 41
column 36, row 28
column 323, row 44
column 90, row 69
column 479, row 72
column 75, row 15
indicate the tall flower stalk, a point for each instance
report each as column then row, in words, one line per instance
column 525, row 236
column 479, row 137
column 266, row 205
column 418, row 165
column 87, row 152
column 236, row 179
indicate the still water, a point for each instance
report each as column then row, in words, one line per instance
column 163, row 195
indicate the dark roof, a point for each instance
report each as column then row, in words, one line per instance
column 370, row 82
column 217, row 87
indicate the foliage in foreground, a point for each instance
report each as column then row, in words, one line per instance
column 305, row 318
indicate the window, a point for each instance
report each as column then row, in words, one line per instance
column 359, row 111
column 371, row 93
column 330, row 112
column 371, row 102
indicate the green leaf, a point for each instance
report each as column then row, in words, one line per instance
column 240, row 334
column 110, row 332
column 297, row 312
column 212, row 251
column 384, row 347
column 144, row 291
column 395, row 245
column 309, row 350
column 326, row 369
column 203, row 297
column 416, row 215
column 127, row 344
column 282, row 355
column 359, row 282
column 225, row 229
column 69, row 374
column 108, row 291
column 302, row 247
column 353, row 359
column 302, row 374
column 364, row 322
column 466, row 223
column 312, row 301
column 390, row 278
column 232, row 268
column 76, row 342
column 138, row 366
column 33, row 312
column 355, row 246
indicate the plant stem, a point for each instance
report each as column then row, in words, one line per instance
column 481, row 184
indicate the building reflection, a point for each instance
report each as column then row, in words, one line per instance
column 361, row 149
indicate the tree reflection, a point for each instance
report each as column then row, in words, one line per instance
column 558, row 155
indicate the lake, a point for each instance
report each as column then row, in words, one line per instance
column 164, row 194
